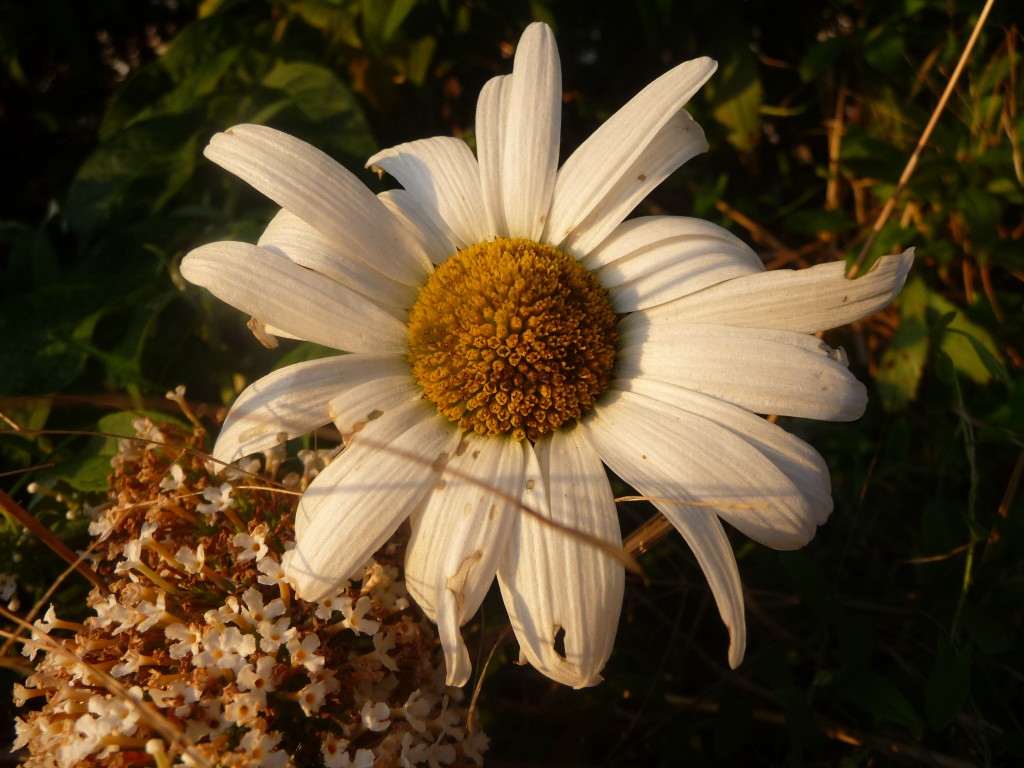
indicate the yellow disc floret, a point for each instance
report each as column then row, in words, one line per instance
column 512, row 337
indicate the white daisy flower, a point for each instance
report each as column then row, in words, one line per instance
column 509, row 333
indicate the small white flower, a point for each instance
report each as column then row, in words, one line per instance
column 244, row 708
column 253, row 546
column 217, row 499
column 474, row 746
column 271, row 572
column 207, row 721
column 376, row 715
column 223, row 614
column 334, row 751
column 148, row 431
column 131, row 660
column 274, row 635
column 255, row 612
column 311, row 698
column 111, row 612
column 179, row 696
column 115, row 713
column 258, row 678
column 327, row 605
column 131, row 557
column 382, row 643
column 417, row 709
column 354, row 616
column 192, row 562
column 303, row 652
column 443, row 754
column 261, row 748
column 226, row 649
column 177, row 477
column 152, row 613
column 186, row 639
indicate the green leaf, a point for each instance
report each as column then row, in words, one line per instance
column 902, row 364
column 961, row 339
column 39, row 354
column 988, row 631
column 812, row 222
column 314, row 89
column 134, row 173
column 822, row 56
column 193, row 66
column 738, row 97
column 884, row 51
column 382, row 18
column 33, row 262
column 89, row 467
column 880, row 697
column 320, row 96
column 948, row 685
column 992, row 363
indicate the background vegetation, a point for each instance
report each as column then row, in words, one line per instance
column 895, row 637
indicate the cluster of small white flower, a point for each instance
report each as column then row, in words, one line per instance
column 201, row 654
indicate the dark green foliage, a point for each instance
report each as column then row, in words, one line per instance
column 896, row 636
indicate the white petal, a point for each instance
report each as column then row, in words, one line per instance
column 557, row 583
column 704, row 535
column 699, row 526
column 371, row 389
column 805, row 300
column 531, row 132
column 765, row 371
column 436, row 243
column 654, row 259
column 361, row 498
column 680, row 456
column 595, row 176
column 491, row 108
column 803, row 465
column 459, row 536
column 302, row 303
column 293, row 238
column 284, row 404
column 323, row 194
column 443, row 177
column 678, row 140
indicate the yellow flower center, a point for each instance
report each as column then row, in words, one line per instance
column 512, row 337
